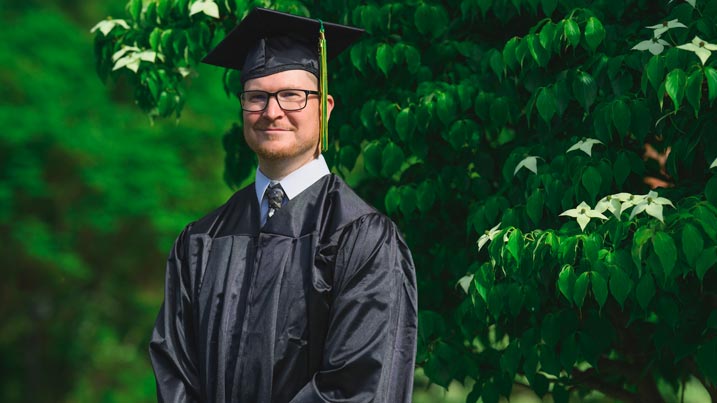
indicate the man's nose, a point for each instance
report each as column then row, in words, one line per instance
column 273, row 110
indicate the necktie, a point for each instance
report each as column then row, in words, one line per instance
column 275, row 195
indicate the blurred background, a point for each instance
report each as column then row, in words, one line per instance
column 92, row 195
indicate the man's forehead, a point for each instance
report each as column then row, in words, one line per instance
column 299, row 79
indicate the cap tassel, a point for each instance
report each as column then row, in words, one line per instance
column 323, row 90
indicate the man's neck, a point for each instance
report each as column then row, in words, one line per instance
column 279, row 169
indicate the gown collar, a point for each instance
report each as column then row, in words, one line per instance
column 294, row 183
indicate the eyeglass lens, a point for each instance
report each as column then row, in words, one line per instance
column 289, row 100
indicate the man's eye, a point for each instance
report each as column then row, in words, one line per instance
column 256, row 98
column 290, row 95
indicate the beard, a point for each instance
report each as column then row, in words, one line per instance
column 281, row 150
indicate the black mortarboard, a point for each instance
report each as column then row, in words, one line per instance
column 268, row 42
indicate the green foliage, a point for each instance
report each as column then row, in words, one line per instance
column 614, row 294
column 91, row 198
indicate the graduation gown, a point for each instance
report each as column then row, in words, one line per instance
column 319, row 305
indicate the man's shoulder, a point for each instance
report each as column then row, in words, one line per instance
column 351, row 210
column 237, row 208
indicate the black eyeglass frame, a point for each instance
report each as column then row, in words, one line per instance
column 276, row 96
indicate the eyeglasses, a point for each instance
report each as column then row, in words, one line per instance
column 288, row 100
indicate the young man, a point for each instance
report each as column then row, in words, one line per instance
column 295, row 290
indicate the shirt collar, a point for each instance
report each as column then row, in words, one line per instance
column 296, row 182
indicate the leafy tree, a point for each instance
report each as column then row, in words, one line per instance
column 535, row 128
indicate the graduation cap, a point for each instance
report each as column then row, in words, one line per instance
column 268, row 42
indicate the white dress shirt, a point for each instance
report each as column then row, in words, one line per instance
column 293, row 183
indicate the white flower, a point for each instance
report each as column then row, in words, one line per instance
column 612, row 203
column 693, row 3
column 529, row 162
column 465, row 282
column 106, row 26
column 628, row 200
column 208, row 7
column 652, row 205
column 654, row 45
column 714, row 164
column 489, row 235
column 583, row 213
column 585, row 145
column 701, row 48
column 131, row 56
column 660, row 29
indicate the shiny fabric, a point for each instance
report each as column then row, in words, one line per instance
column 319, row 305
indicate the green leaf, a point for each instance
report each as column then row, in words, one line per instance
column 163, row 7
column 711, row 75
column 392, row 158
column 446, row 107
column 592, row 180
column 706, row 359
column 413, row 59
column 392, row 200
column 707, row 260
column 620, row 285
column 484, row 6
column 384, row 58
column 510, row 359
column 547, row 34
column 581, row 289
column 534, row 206
column 405, row 124
column 348, row 155
column 621, row 117
column 423, row 19
column 372, row 158
column 546, row 104
column 645, row 290
column 594, row 33
column 621, row 168
column 655, row 70
column 584, row 89
column 509, row 55
column 693, row 91
column 568, row 351
column 496, row 64
column 711, row 190
column 692, row 243
column 426, row 195
column 357, row 56
column 675, row 86
column 135, row 9
column 540, row 55
column 599, row 287
column 566, row 282
column 515, row 244
column 666, row 250
column 499, row 111
column 408, row 200
column 549, row 6
column 154, row 39
column 571, row 30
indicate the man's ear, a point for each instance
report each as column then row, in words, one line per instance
column 329, row 106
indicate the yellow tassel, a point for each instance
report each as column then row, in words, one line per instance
column 323, row 90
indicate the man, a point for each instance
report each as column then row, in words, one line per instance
column 295, row 290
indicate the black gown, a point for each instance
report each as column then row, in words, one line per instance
column 319, row 305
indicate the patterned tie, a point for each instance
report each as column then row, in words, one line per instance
column 275, row 195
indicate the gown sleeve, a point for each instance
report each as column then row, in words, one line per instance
column 369, row 353
column 172, row 346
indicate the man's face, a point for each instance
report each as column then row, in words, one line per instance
column 287, row 136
